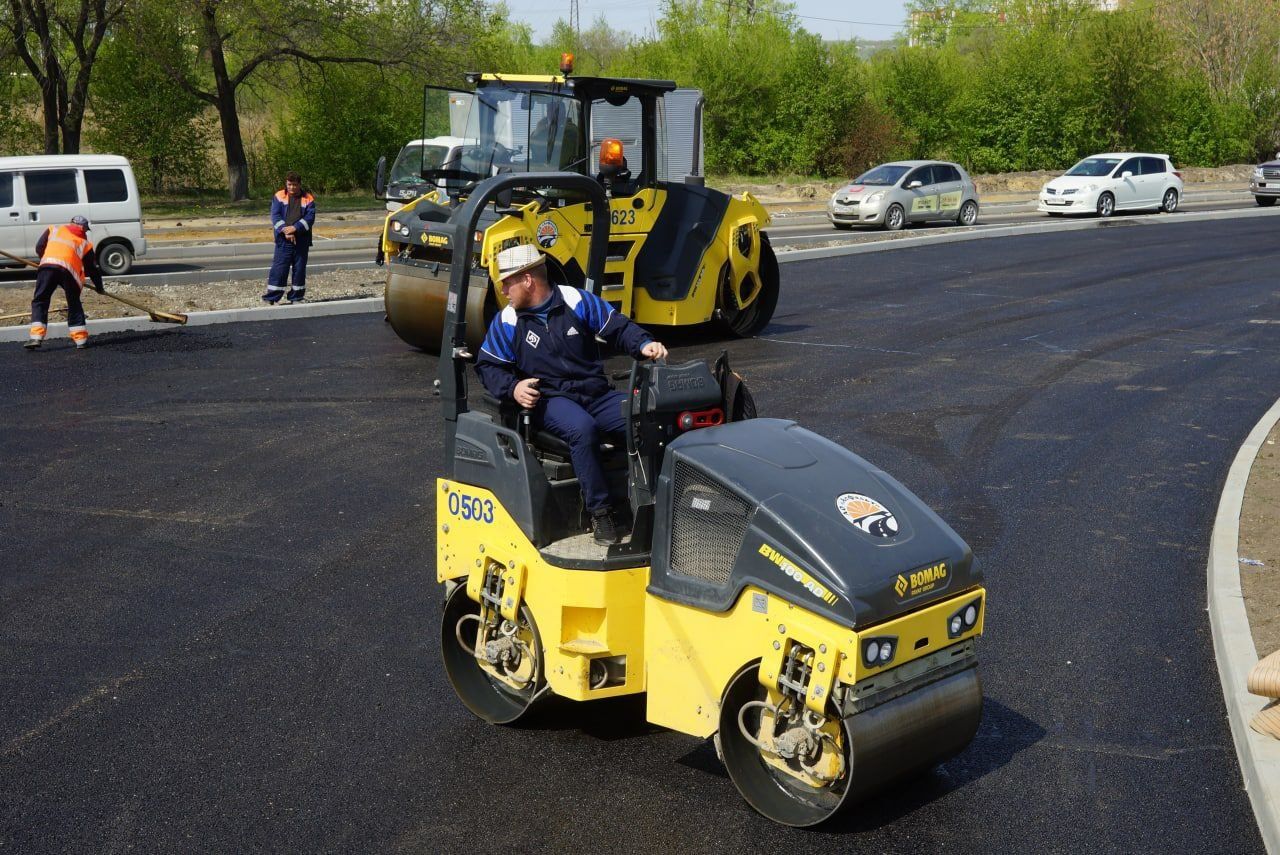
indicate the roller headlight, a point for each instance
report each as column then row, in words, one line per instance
column 964, row 620
column 878, row 652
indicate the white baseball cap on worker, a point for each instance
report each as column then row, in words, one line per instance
column 518, row 259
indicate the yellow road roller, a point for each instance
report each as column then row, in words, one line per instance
column 679, row 253
column 777, row 593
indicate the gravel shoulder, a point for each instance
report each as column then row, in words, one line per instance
column 205, row 296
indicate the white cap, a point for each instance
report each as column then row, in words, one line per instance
column 518, row 259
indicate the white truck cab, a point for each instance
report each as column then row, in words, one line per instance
column 405, row 183
column 40, row 191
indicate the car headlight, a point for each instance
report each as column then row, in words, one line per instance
column 964, row 620
column 1257, row 172
column 875, row 197
column 878, row 652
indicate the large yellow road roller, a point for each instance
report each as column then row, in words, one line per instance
column 679, row 253
column 777, row 593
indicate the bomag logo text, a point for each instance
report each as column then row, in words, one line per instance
column 806, row 581
column 913, row 584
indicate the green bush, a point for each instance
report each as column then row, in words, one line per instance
column 339, row 124
column 1203, row 130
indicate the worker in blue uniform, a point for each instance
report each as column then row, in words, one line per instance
column 541, row 352
column 293, row 216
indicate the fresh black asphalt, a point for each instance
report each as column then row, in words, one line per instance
column 218, row 615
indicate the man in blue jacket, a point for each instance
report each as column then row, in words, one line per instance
column 541, row 352
column 293, row 215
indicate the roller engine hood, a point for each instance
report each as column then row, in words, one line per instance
column 767, row 503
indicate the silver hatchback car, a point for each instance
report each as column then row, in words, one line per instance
column 906, row 191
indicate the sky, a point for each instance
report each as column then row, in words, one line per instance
column 861, row 19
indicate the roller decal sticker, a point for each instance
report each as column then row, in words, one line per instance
column 548, row 234
column 867, row 515
column 806, row 581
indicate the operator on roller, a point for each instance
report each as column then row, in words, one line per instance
column 66, row 258
column 541, row 352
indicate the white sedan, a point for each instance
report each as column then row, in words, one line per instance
column 1106, row 183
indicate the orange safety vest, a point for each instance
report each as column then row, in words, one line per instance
column 65, row 249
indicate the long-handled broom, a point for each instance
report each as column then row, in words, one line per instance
column 155, row 314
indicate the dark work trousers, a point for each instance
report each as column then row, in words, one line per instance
column 581, row 428
column 288, row 257
column 48, row 280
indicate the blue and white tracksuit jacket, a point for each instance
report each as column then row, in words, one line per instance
column 563, row 353
column 577, row 402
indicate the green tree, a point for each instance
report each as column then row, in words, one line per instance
column 58, row 42
column 334, row 131
column 1025, row 107
column 921, row 88
column 20, row 131
column 138, row 112
column 253, row 41
column 1126, row 72
column 1199, row 128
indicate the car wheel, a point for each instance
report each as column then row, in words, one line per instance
column 115, row 259
column 968, row 213
column 894, row 218
column 1170, row 202
column 1106, row 205
column 1265, row 201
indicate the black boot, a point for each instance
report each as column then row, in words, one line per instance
column 606, row 528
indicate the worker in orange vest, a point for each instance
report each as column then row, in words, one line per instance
column 66, row 258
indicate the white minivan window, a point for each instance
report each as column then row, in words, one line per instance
column 106, row 185
column 52, row 188
column 6, row 189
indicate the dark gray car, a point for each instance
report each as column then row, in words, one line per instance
column 906, row 191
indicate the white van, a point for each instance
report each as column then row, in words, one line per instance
column 48, row 190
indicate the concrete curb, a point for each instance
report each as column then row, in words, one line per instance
column 219, row 316
column 1233, row 643
column 970, row 233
